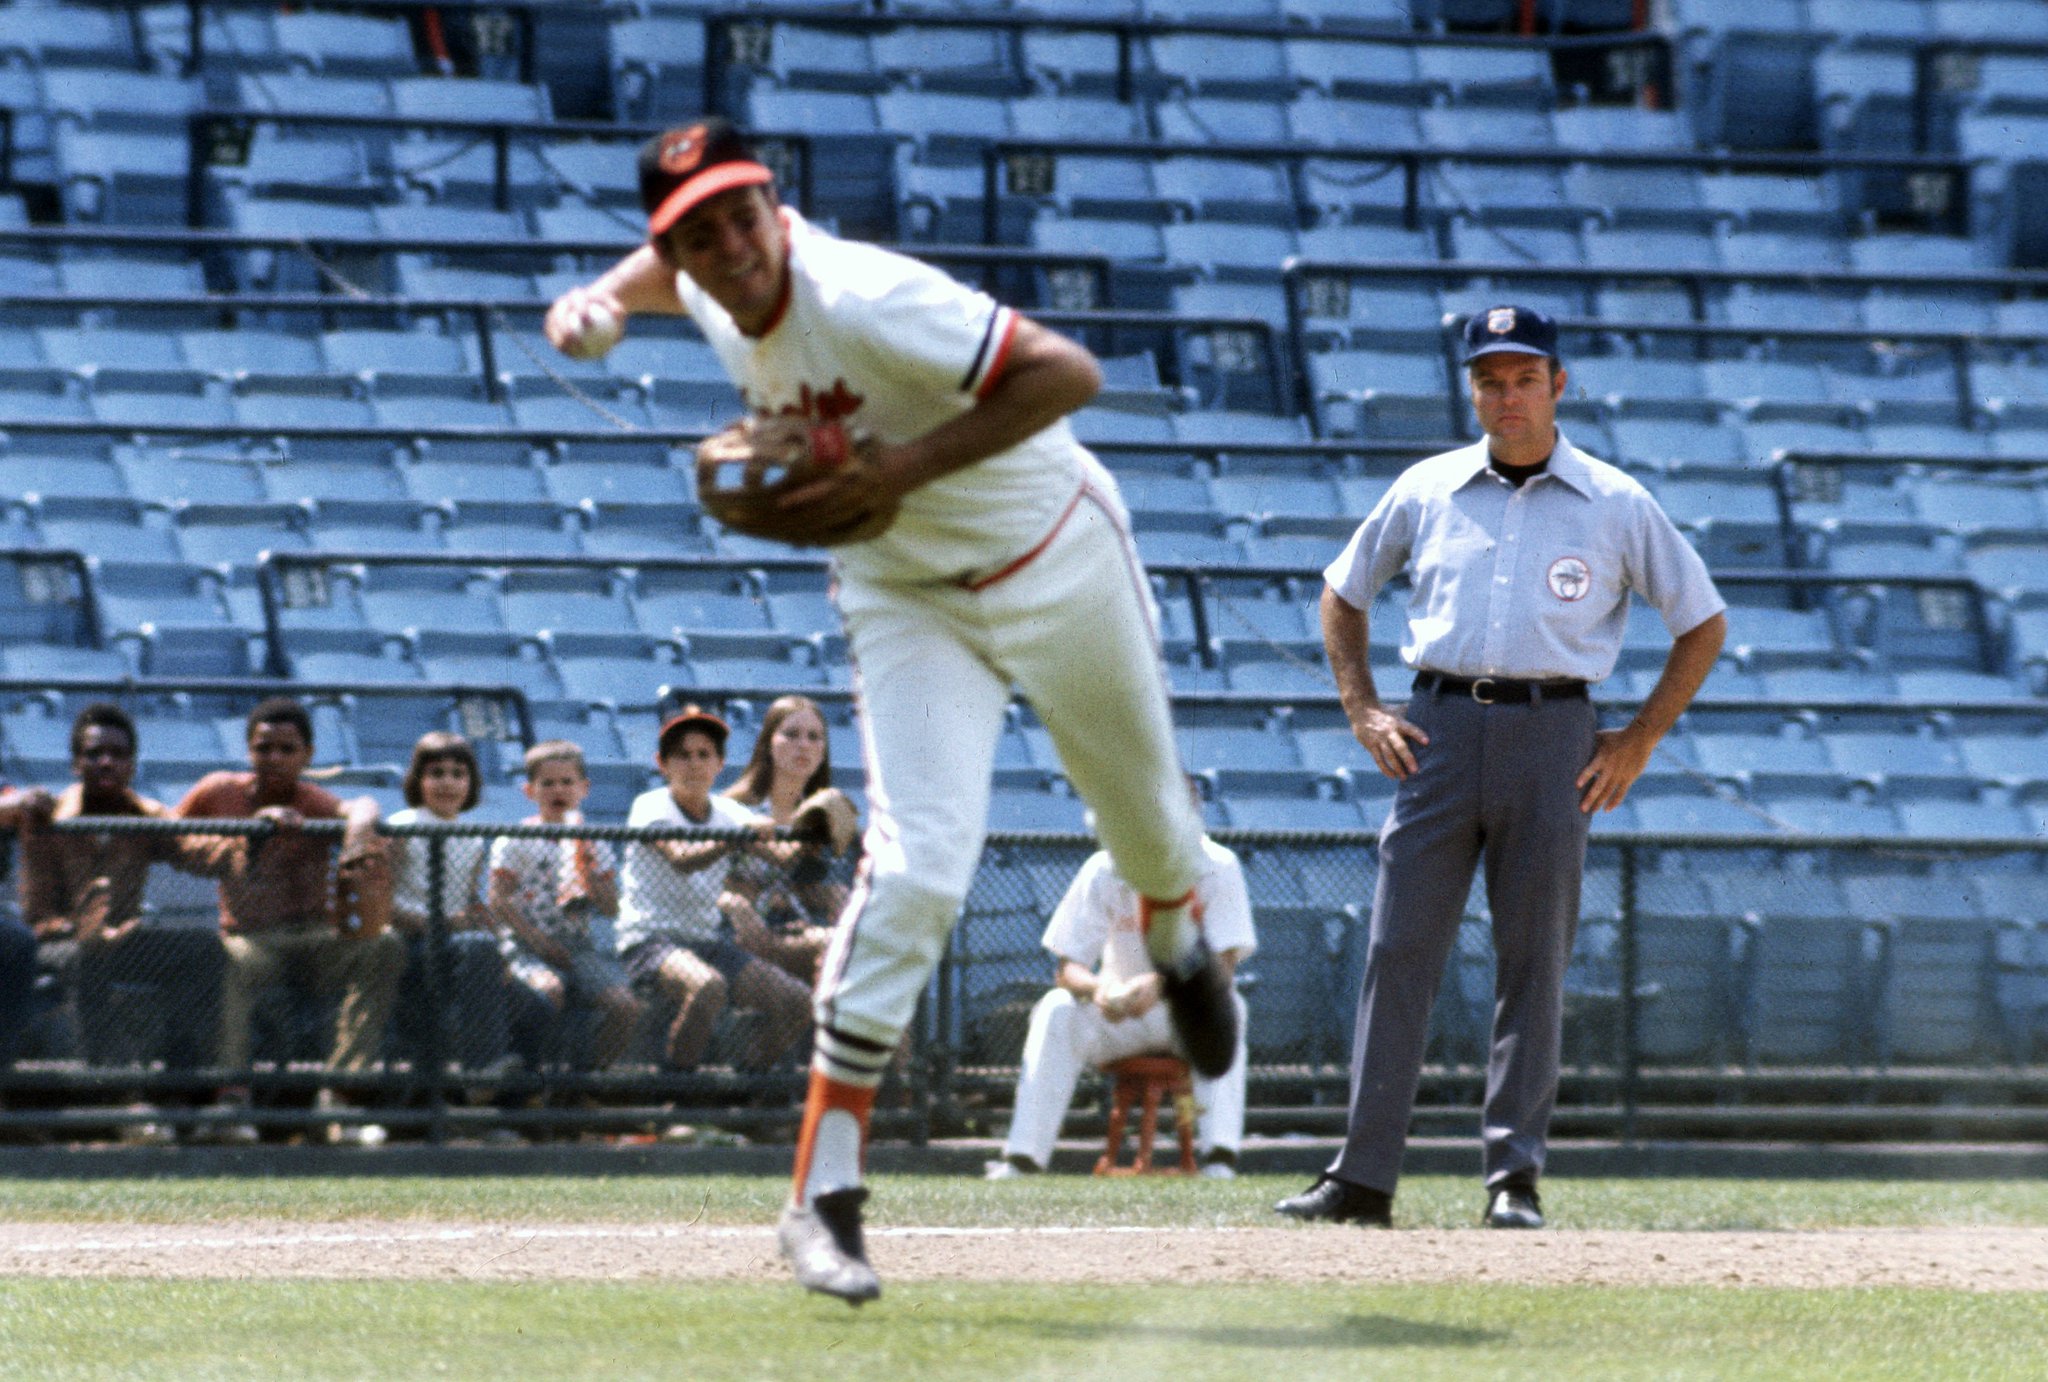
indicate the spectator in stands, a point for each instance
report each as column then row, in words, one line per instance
column 17, row 941
column 83, row 896
column 441, row 783
column 674, row 934
column 555, row 898
column 1104, row 1006
column 788, row 884
column 278, row 915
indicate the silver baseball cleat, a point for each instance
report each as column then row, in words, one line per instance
column 822, row 1241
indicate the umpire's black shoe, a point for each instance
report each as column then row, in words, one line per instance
column 823, row 1244
column 1204, row 1010
column 1514, row 1204
column 1334, row 1201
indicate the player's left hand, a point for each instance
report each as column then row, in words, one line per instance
column 1619, row 757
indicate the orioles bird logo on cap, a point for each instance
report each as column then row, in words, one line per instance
column 1501, row 320
column 682, row 153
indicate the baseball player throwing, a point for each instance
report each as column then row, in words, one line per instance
column 1521, row 552
column 1008, row 564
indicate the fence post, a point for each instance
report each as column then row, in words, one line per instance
column 436, row 1053
column 1631, row 1015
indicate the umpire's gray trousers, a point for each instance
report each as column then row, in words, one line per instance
column 1494, row 780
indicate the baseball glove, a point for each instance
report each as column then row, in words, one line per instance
column 828, row 817
column 747, row 472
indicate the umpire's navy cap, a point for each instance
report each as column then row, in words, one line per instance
column 683, row 167
column 1521, row 330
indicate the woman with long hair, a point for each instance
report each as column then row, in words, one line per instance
column 789, row 885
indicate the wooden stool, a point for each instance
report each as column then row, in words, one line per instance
column 1145, row 1078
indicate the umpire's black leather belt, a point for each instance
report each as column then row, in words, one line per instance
column 1499, row 690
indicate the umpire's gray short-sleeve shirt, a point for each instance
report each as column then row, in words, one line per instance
column 1528, row 582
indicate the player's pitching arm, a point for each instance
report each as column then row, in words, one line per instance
column 1620, row 755
column 638, row 283
column 1347, row 639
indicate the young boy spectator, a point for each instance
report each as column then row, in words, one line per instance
column 556, row 898
column 82, row 894
column 672, row 930
column 277, row 916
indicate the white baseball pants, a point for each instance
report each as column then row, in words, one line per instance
column 1068, row 1035
column 1074, row 631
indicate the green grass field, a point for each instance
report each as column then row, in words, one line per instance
column 94, row 1328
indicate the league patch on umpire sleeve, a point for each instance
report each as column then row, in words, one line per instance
column 989, row 356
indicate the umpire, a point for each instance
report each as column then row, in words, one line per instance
column 1521, row 552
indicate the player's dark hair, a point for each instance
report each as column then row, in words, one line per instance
column 441, row 746
column 281, row 710
column 758, row 777
column 102, row 715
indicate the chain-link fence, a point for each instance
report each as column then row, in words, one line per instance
column 544, row 980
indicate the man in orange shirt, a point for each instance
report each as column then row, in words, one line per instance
column 276, row 916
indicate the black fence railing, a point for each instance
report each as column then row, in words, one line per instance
column 1868, row 976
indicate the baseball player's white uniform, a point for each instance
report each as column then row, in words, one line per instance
column 1016, row 571
column 1098, row 922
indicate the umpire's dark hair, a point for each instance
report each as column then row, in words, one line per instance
column 442, row 746
column 280, row 710
column 102, row 715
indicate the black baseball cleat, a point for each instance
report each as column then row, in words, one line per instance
column 1203, row 1009
column 823, row 1243
column 1514, row 1204
column 1334, row 1201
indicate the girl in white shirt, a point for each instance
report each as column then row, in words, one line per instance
column 441, row 783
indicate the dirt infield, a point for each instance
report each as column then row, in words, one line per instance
column 1989, row 1259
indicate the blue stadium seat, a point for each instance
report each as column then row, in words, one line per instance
column 344, row 44
column 1454, row 127
column 807, row 57
column 567, row 601
column 1947, row 818
column 657, row 67
column 1808, row 991
column 473, row 98
column 1338, row 122
column 52, row 34
column 1356, row 67
column 1622, row 128
column 1379, row 392
column 120, row 177
column 1222, row 64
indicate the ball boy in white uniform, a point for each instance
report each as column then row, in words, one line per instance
column 1010, row 565
column 1095, row 1015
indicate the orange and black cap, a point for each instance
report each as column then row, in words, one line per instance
column 684, row 167
column 690, row 717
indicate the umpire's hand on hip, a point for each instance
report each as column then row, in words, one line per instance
column 1386, row 736
column 1619, row 757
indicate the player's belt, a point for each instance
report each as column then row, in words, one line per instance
column 1499, row 690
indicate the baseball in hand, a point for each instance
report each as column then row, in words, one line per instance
column 597, row 329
